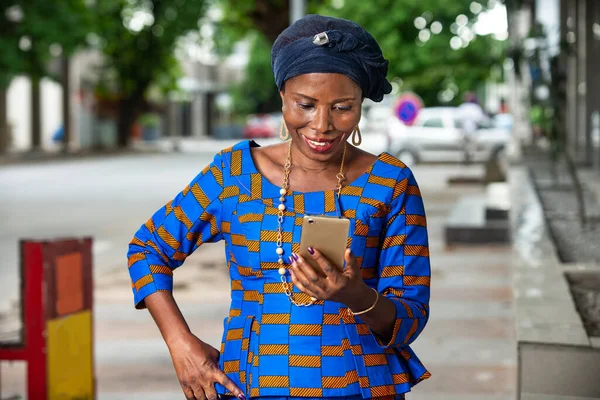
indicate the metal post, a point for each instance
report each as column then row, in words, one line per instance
column 4, row 127
column 594, row 84
column 36, row 114
column 561, row 74
column 66, row 103
column 582, row 39
column 591, row 81
column 571, row 37
column 297, row 10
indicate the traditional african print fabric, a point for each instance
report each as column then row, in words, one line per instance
column 357, row 397
column 271, row 347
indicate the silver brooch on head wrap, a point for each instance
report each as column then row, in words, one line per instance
column 320, row 39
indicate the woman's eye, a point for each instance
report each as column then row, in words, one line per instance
column 344, row 108
column 304, row 106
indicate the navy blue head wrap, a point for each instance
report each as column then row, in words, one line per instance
column 317, row 43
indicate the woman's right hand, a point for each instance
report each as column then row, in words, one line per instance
column 197, row 367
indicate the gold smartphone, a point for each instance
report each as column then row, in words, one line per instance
column 329, row 235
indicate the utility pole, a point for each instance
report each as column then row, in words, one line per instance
column 65, row 65
column 297, row 10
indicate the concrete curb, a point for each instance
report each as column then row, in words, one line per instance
column 185, row 146
column 555, row 354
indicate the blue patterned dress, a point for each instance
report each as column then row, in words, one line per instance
column 271, row 348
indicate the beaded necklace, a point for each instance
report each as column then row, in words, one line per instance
column 288, row 286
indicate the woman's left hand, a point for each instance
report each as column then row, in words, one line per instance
column 346, row 287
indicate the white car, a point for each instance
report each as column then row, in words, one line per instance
column 373, row 126
column 436, row 136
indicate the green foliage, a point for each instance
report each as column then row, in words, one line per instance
column 139, row 39
column 32, row 30
column 235, row 24
column 430, row 67
column 513, row 5
column 149, row 120
column 241, row 17
column 258, row 92
column 426, row 68
column 260, row 22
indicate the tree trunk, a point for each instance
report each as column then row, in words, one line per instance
column 129, row 107
column 4, row 132
column 36, row 117
column 127, row 115
column 66, row 103
column 271, row 18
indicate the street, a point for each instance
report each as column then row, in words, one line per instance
column 106, row 199
column 469, row 345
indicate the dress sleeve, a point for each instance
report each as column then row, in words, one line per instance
column 404, row 268
column 173, row 233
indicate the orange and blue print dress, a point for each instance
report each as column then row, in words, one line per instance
column 271, row 348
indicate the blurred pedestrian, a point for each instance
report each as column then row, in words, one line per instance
column 470, row 115
column 294, row 332
column 503, row 109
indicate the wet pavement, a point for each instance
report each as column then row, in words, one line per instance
column 469, row 345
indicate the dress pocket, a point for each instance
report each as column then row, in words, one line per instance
column 368, row 232
column 247, row 237
column 235, row 355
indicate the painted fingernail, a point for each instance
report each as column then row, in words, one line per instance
column 241, row 397
column 311, row 250
column 291, row 259
column 295, row 256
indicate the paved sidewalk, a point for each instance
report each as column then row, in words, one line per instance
column 469, row 344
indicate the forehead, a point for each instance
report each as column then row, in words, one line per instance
column 323, row 85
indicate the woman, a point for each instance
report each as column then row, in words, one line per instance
column 293, row 332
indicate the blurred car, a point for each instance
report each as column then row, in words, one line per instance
column 262, row 126
column 436, row 136
column 373, row 125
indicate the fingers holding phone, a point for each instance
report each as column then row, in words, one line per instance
column 331, row 284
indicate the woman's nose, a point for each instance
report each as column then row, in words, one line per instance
column 321, row 122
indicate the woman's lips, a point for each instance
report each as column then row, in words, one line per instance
column 319, row 146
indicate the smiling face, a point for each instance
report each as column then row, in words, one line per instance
column 321, row 110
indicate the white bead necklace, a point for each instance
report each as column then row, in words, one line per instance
column 287, row 286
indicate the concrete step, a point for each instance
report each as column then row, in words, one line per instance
column 468, row 223
column 497, row 201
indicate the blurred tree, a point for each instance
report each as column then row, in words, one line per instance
column 32, row 34
column 139, row 39
column 432, row 50
column 269, row 17
column 257, row 93
column 431, row 44
column 260, row 22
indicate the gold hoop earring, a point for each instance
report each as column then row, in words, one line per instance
column 281, row 131
column 356, row 136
